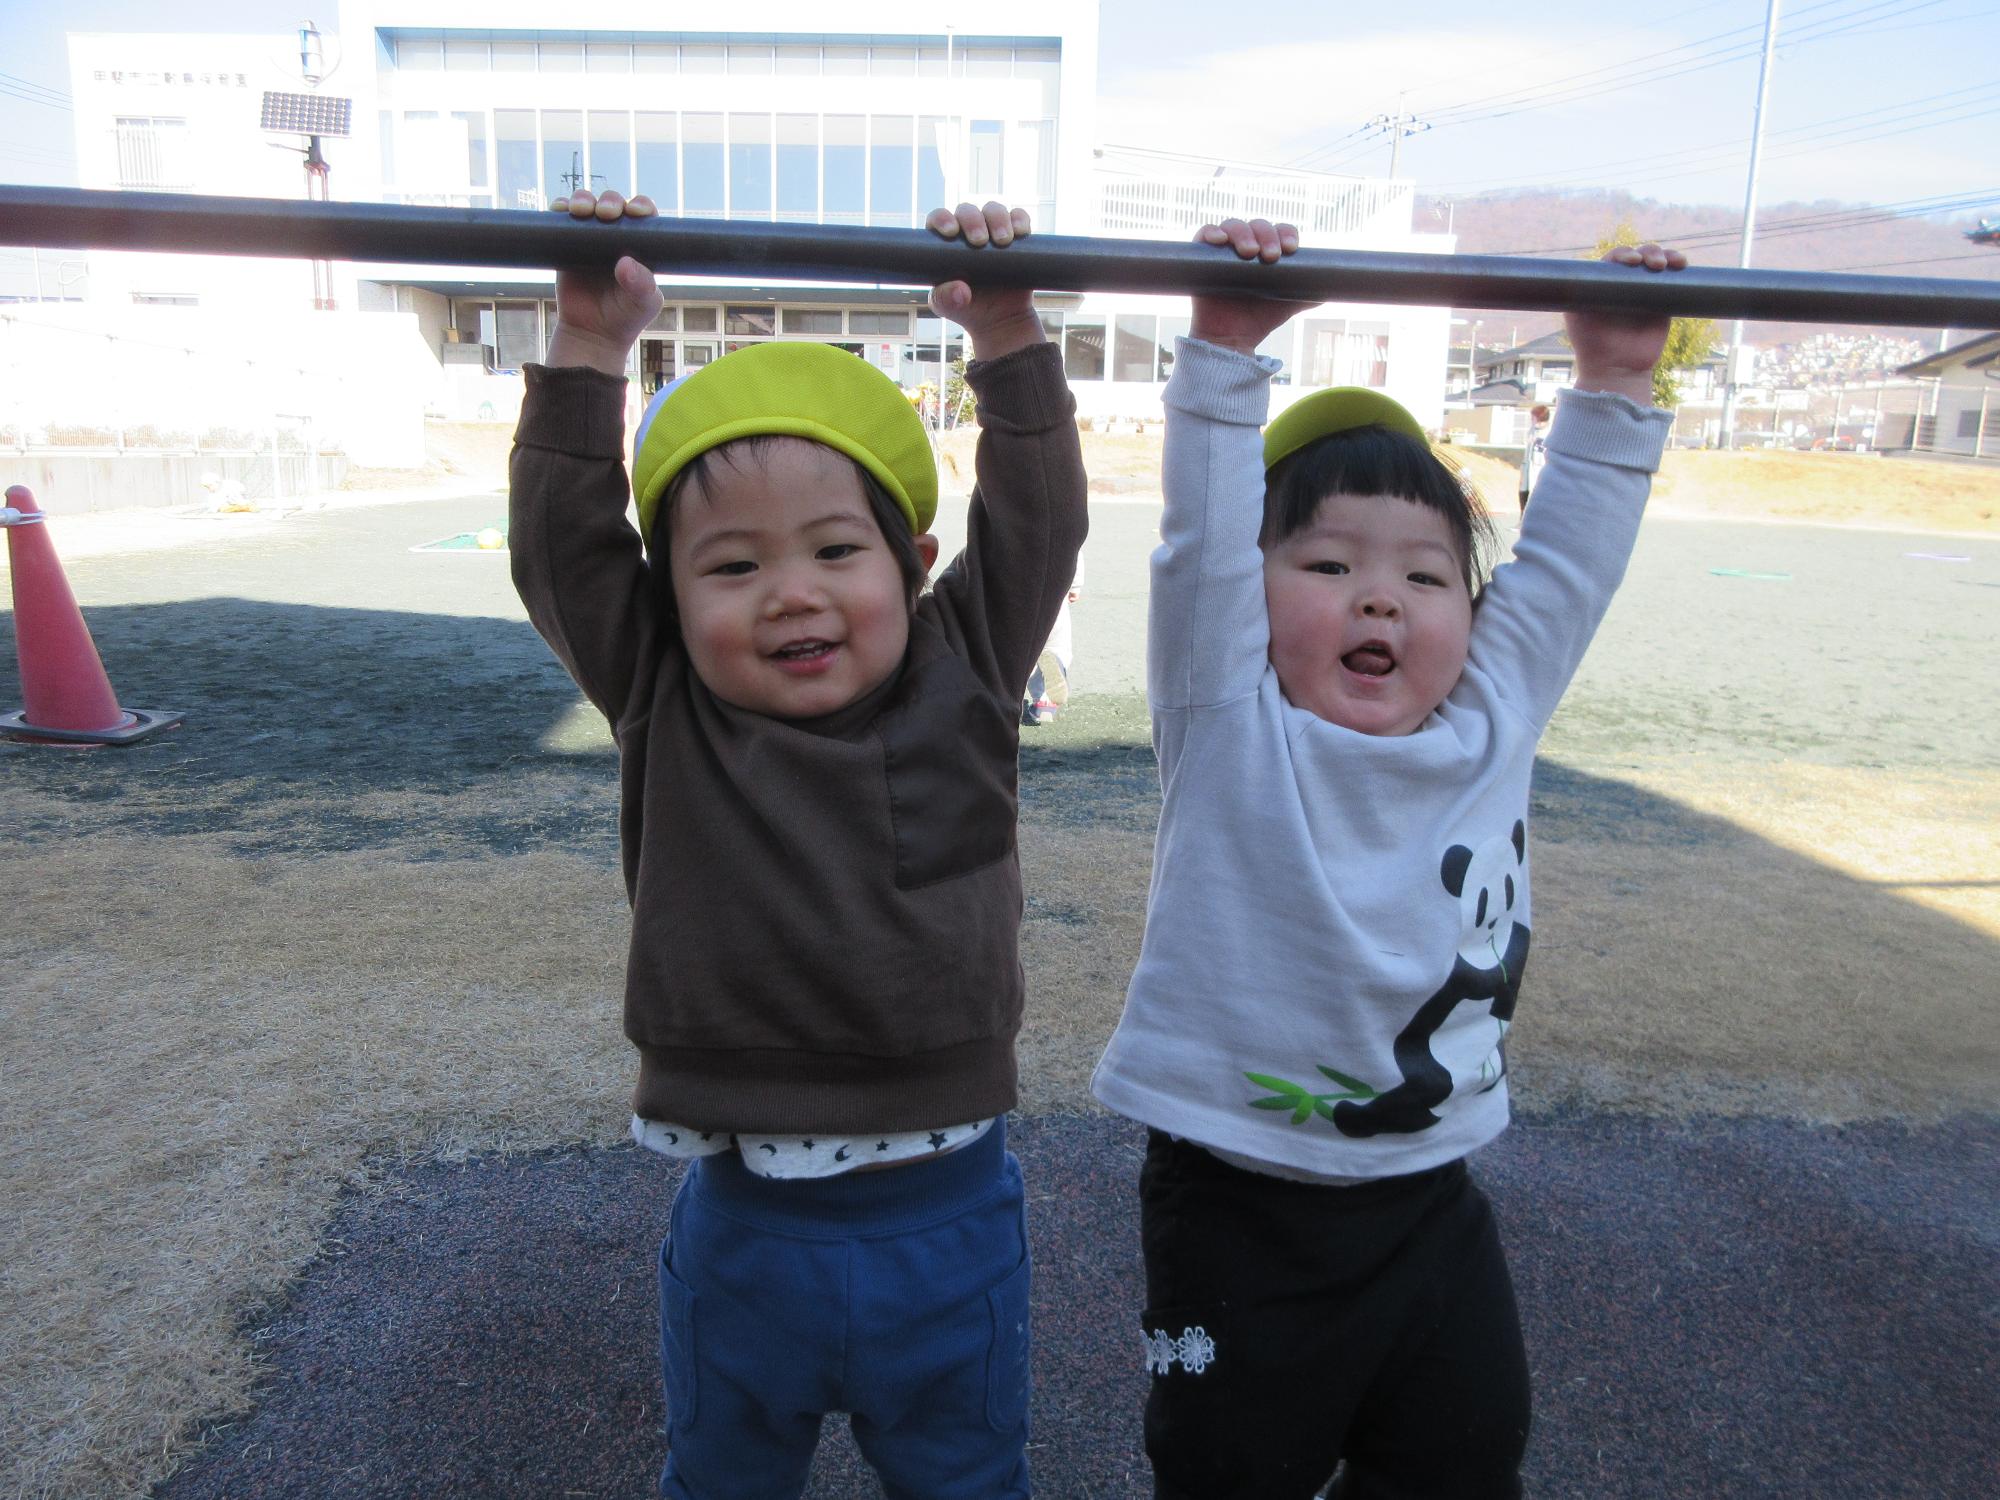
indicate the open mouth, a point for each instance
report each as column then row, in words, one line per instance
column 801, row 651
column 1371, row 660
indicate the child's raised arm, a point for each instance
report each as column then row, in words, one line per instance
column 577, row 565
column 1027, row 518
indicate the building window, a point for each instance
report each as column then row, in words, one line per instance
column 750, row 59
column 519, row 185
column 656, row 57
column 1968, row 422
column 1044, row 66
column 1341, row 353
column 702, row 59
column 749, row 166
column 756, row 321
column 891, row 162
column 798, row 62
column 560, row 57
column 1135, row 348
column 611, row 151
column 813, row 320
column 1083, row 347
column 515, row 341
column 474, row 122
column 513, row 57
column 563, row 169
column 798, row 168
column 895, row 321
column 847, row 62
column 607, row 57
column 846, row 167
column 984, row 161
column 893, row 62
column 465, row 56
column 153, row 152
column 701, row 165
column 420, row 54
column 1052, row 326
column 698, row 319
column 930, row 162
column 658, row 160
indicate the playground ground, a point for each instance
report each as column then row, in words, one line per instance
column 313, row 1082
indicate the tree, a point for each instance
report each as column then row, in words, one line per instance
column 1689, row 340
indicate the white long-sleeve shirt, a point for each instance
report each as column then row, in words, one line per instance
column 1307, row 907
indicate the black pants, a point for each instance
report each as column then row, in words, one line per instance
column 1291, row 1326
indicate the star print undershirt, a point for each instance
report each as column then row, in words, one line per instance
column 790, row 1156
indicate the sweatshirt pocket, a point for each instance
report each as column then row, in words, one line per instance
column 948, row 751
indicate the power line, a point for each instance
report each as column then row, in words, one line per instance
column 1929, row 260
column 1911, row 208
column 40, row 88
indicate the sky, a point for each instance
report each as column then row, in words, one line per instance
column 1884, row 102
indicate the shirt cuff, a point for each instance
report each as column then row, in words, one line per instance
column 574, row 410
column 1607, row 428
column 1223, row 385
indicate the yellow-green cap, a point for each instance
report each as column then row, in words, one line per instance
column 1339, row 409
column 794, row 390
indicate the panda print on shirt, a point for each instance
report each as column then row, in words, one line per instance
column 1486, row 971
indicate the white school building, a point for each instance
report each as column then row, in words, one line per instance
column 834, row 112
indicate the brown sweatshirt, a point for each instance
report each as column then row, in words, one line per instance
column 825, row 913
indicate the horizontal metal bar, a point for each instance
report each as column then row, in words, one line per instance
column 397, row 234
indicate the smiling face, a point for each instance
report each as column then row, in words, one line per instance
column 791, row 601
column 1370, row 612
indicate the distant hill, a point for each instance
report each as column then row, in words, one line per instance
column 1561, row 223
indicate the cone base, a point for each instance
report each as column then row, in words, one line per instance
column 145, row 721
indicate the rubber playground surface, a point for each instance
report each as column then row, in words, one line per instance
column 316, row 1092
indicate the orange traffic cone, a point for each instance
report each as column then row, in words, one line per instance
column 69, row 699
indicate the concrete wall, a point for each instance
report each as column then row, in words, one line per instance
column 76, row 482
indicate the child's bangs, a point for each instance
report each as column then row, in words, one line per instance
column 1376, row 461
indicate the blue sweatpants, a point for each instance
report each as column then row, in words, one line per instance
column 899, row 1297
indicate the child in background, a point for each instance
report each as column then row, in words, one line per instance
column 818, row 770
column 1339, row 914
column 1049, row 684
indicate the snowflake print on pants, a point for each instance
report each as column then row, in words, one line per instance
column 1194, row 1351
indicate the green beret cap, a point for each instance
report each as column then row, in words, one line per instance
column 1339, row 409
column 792, row 390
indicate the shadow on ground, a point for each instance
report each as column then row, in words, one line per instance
column 1712, row 1311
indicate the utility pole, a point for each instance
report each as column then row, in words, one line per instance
column 1398, row 125
column 1734, row 367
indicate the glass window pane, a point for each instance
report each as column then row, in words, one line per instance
column 1044, row 66
column 1170, row 329
column 698, row 319
column 811, row 320
column 749, row 166
column 420, row 54
column 656, row 57
column 750, row 58
column 798, row 168
column 893, row 62
column 798, row 61
column 611, row 151
column 1052, row 326
column 514, row 335
column 658, row 175
column 513, row 57
column 1134, row 347
column 462, row 56
column 893, row 320
column 749, row 320
column 608, row 57
column 519, row 184
column 845, row 157
column 891, row 161
column 702, row 59
column 846, row 61
column 983, row 161
column 930, row 62
column 1033, row 179
column 561, row 57
column 989, row 62
column 562, row 152
column 701, row 165
column 1083, row 348
column 1280, row 345
column 930, row 162
column 474, row 122
column 668, row 321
